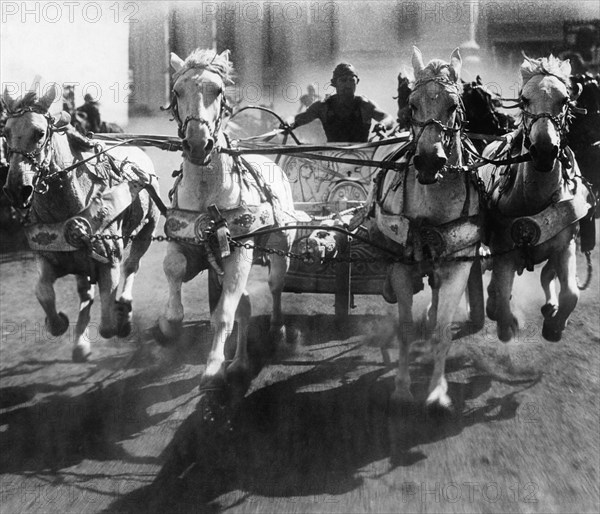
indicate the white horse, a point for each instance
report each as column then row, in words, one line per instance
column 428, row 215
column 533, row 206
column 65, row 199
column 249, row 195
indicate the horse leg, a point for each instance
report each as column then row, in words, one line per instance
column 236, row 269
column 490, row 304
column 503, row 276
column 81, row 350
column 547, row 277
column 174, row 266
column 401, row 281
column 238, row 372
column 566, row 269
column 453, row 282
column 139, row 247
column 278, row 268
column 57, row 323
column 108, row 281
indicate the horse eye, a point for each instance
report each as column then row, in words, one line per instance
column 38, row 134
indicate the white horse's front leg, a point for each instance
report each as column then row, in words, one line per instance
column 81, row 349
column 566, row 269
column 236, row 270
column 174, row 266
column 57, row 323
column 453, row 282
column 503, row 276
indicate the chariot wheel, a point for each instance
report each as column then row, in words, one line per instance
column 347, row 191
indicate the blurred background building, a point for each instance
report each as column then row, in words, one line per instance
column 280, row 46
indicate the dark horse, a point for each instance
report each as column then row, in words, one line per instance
column 584, row 140
column 482, row 116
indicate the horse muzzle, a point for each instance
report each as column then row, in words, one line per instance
column 428, row 167
column 543, row 159
column 199, row 155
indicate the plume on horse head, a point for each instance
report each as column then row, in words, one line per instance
column 546, row 66
column 210, row 60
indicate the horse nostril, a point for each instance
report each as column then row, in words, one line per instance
column 554, row 153
column 185, row 145
column 417, row 161
column 533, row 151
column 209, row 146
column 26, row 193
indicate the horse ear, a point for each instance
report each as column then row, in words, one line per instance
column 9, row 101
column 565, row 67
column 456, row 64
column 176, row 62
column 46, row 100
column 226, row 54
column 63, row 119
column 417, row 60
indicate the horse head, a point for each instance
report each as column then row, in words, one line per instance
column 28, row 131
column 198, row 101
column 436, row 113
column 546, row 99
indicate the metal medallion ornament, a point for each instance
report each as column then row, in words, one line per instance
column 44, row 238
column 203, row 224
column 77, row 232
column 525, row 232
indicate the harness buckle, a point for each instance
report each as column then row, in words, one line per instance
column 221, row 230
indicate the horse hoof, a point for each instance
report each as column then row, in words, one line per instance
column 123, row 311
column 238, row 377
column 167, row 331
column 439, row 410
column 81, row 354
column 59, row 328
column 551, row 334
column 549, row 310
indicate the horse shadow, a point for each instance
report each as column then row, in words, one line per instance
column 293, row 438
column 66, row 426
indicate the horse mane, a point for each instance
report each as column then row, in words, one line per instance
column 210, row 60
column 546, row 66
column 28, row 100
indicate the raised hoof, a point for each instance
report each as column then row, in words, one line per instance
column 551, row 334
column 167, row 332
column 58, row 329
column 123, row 313
column 549, row 310
column 81, row 354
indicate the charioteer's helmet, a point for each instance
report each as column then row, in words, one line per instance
column 342, row 70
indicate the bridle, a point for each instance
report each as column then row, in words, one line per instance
column 447, row 130
column 182, row 125
column 560, row 120
column 41, row 168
